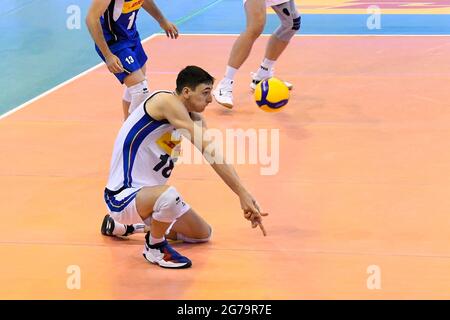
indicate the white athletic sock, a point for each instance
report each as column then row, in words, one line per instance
column 230, row 72
column 138, row 227
column 156, row 240
column 122, row 229
column 139, row 92
column 119, row 229
column 265, row 68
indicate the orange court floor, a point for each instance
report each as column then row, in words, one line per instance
column 359, row 208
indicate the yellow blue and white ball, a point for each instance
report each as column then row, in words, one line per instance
column 271, row 95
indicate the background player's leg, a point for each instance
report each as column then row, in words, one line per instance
column 279, row 40
column 144, row 69
column 255, row 11
column 126, row 101
column 275, row 48
column 138, row 89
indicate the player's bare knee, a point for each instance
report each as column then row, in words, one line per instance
column 255, row 26
column 200, row 237
column 204, row 233
column 206, row 236
column 255, row 31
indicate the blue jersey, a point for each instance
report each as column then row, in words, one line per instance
column 119, row 23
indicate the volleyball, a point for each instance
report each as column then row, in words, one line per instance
column 271, row 95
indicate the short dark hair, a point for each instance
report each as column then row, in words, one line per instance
column 191, row 77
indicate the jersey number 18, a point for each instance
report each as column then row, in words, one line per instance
column 167, row 170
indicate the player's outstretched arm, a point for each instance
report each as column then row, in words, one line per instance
column 177, row 115
column 98, row 7
column 249, row 205
column 170, row 29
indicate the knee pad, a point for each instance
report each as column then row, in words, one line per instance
column 169, row 206
column 139, row 93
column 126, row 95
column 290, row 20
column 181, row 236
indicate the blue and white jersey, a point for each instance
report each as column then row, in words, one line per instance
column 143, row 151
column 119, row 22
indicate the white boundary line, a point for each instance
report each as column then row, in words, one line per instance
column 59, row 86
column 203, row 34
column 49, row 91
column 323, row 35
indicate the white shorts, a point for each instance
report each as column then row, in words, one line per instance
column 122, row 206
column 270, row 3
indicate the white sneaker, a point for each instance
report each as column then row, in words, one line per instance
column 256, row 79
column 224, row 93
column 164, row 255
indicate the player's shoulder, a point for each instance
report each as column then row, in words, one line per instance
column 160, row 96
column 160, row 103
column 164, row 98
column 156, row 101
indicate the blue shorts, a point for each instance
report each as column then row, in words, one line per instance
column 133, row 58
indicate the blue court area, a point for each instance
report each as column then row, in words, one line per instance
column 39, row 50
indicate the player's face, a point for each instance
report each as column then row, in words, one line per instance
column 201, row 97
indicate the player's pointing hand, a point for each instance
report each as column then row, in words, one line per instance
column 252, row 212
